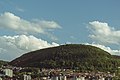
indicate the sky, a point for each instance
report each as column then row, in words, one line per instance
column 28, row 25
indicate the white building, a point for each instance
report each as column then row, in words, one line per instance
column 102, row 79
column 82, row 78
column 8, row 72
column 59, row 78
column 27, row 77
column 0, row 78
column 77, row 78
column 54, row 78
column 64, row 78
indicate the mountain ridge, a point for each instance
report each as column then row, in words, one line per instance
column 84, row 57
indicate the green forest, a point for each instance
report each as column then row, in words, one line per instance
column 70, row 56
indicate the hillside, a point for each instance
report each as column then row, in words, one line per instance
column 3, row 63
column 82, row 57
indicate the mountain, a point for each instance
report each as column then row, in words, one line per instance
column 76, row 56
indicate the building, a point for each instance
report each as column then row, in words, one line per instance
column 82, row 78
column 0, row 78
column 64, row 77
column 8, row 72
column 27, row 77
column 54, row 78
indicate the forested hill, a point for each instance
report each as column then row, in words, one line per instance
column 3, row 63
column 82, row 57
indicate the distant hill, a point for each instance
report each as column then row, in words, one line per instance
column 76, row 56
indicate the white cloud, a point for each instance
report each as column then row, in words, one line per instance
column 108, row 49
column 103, row 33
column 14, row 46
column 10, row 21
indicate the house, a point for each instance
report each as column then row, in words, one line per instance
column 0, row 78
column 8, row 72
column 26, row 77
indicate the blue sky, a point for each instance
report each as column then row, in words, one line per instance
column 63, row 21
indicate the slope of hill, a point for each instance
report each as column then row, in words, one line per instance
column 82, row 57
column 3, row 63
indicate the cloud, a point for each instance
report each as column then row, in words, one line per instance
column 108, row 49
column 12, row 22
column 103, row 33
column 14, row 46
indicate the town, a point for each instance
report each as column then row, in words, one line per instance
column 19, row 73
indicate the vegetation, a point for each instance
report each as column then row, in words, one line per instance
column 72, row 56
column 3, row 63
